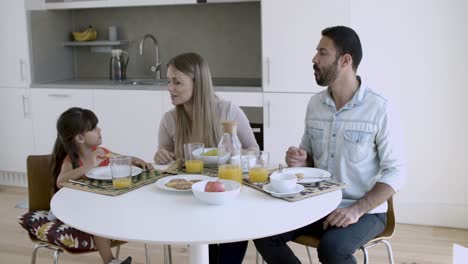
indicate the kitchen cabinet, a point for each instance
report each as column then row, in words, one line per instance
column 129, row 120
column 17, row 129
column 243, row 99
column 109, row 3
column 284, row 120
column 291, row 31
column 53, row 4
column 47, row 105
column 14, row 65
column 115, row 3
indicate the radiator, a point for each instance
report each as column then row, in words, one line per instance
column 13, row 178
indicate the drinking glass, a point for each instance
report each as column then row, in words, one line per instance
column 193, row 153
column 258, row 168
column 121, row 170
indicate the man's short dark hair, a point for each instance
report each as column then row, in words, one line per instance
column 346, row 41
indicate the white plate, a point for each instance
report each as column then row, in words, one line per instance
column 161, row 183
column 310, row 174
column 269, row 189
column 104, row 173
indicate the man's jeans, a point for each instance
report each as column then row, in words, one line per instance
column 337, row 244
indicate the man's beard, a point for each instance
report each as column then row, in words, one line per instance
column 327, row 75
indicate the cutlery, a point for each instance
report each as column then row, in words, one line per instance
column 87, row 184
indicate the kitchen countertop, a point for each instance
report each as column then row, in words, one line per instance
column 220, row 84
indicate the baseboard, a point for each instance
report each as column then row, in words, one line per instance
column 432, row 214
column 13, row 178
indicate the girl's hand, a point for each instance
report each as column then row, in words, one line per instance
column 97, row 156
column 142, row 164
column 163, row 157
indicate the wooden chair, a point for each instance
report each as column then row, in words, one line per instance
column 310, row 241
column 40, row 191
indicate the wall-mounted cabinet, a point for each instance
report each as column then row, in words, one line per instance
column 77, row 4
column 14, row 65
column 290, row 34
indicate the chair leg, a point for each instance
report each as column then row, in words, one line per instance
column 147, row 255
column 56, row 255
column 167, row 254
column 36, row 247
column 308, row 254
column 366, row 255
column 389, row 251
column 117, row 252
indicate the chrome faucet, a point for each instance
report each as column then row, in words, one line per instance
column 157, row 67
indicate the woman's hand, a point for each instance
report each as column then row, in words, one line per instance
column 163, row 156
column 142, row 164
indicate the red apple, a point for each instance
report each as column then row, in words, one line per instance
column 214, row 186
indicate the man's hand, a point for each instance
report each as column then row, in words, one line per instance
column 342, row 217
column 296, row 157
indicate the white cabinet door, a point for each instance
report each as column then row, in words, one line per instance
column 74, row 4
column 283, row 116
column 291, row 31
column 129, row 121
column 14, row 64
column 47, row 105
column 16, row 134
column 114, row 3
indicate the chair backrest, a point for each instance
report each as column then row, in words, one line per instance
column 390, row 228
column 40, row 186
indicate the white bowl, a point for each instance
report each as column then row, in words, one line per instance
column 209, row 161
column 232, row 190
column 283, row 182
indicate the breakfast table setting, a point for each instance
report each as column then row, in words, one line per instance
column 207, row 210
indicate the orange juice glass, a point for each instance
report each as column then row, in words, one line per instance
column 122, row 183
column 258, row 166
column 258, row 174
column 193, row 166
column 230, row 172
column 193, row 157
column 121, row 170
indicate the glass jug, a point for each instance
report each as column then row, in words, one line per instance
column 229, row 153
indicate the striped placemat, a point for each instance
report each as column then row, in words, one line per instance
column 105, row 186
column 310, row 189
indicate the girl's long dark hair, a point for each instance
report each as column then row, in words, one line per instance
column 72, row 122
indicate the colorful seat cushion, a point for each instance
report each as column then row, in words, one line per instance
column 56, row 232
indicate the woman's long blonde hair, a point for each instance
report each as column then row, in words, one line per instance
column 207, row 127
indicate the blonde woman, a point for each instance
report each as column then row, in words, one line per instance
column 197, row 117
column 192, row 94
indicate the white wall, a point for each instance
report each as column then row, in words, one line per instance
column 415, row 52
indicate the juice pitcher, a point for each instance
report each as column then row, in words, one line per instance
column 118, row 65
column 229, row 153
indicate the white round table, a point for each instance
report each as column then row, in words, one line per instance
column 152, row 215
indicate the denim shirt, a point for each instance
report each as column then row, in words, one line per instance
column 357, row 144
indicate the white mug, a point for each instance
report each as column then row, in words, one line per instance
column 113, row 35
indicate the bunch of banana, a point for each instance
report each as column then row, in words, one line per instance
column 86, row 35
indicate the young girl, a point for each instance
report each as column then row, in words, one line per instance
column 76, row 151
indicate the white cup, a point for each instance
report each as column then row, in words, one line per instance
column 113, row 35
column 283, row 182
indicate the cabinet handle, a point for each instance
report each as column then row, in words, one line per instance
column 21, row 62
column 268, row 71
column 25, row 106
column 59, row 95
column 268, row 113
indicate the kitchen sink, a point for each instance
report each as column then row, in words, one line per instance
column 144, row 82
